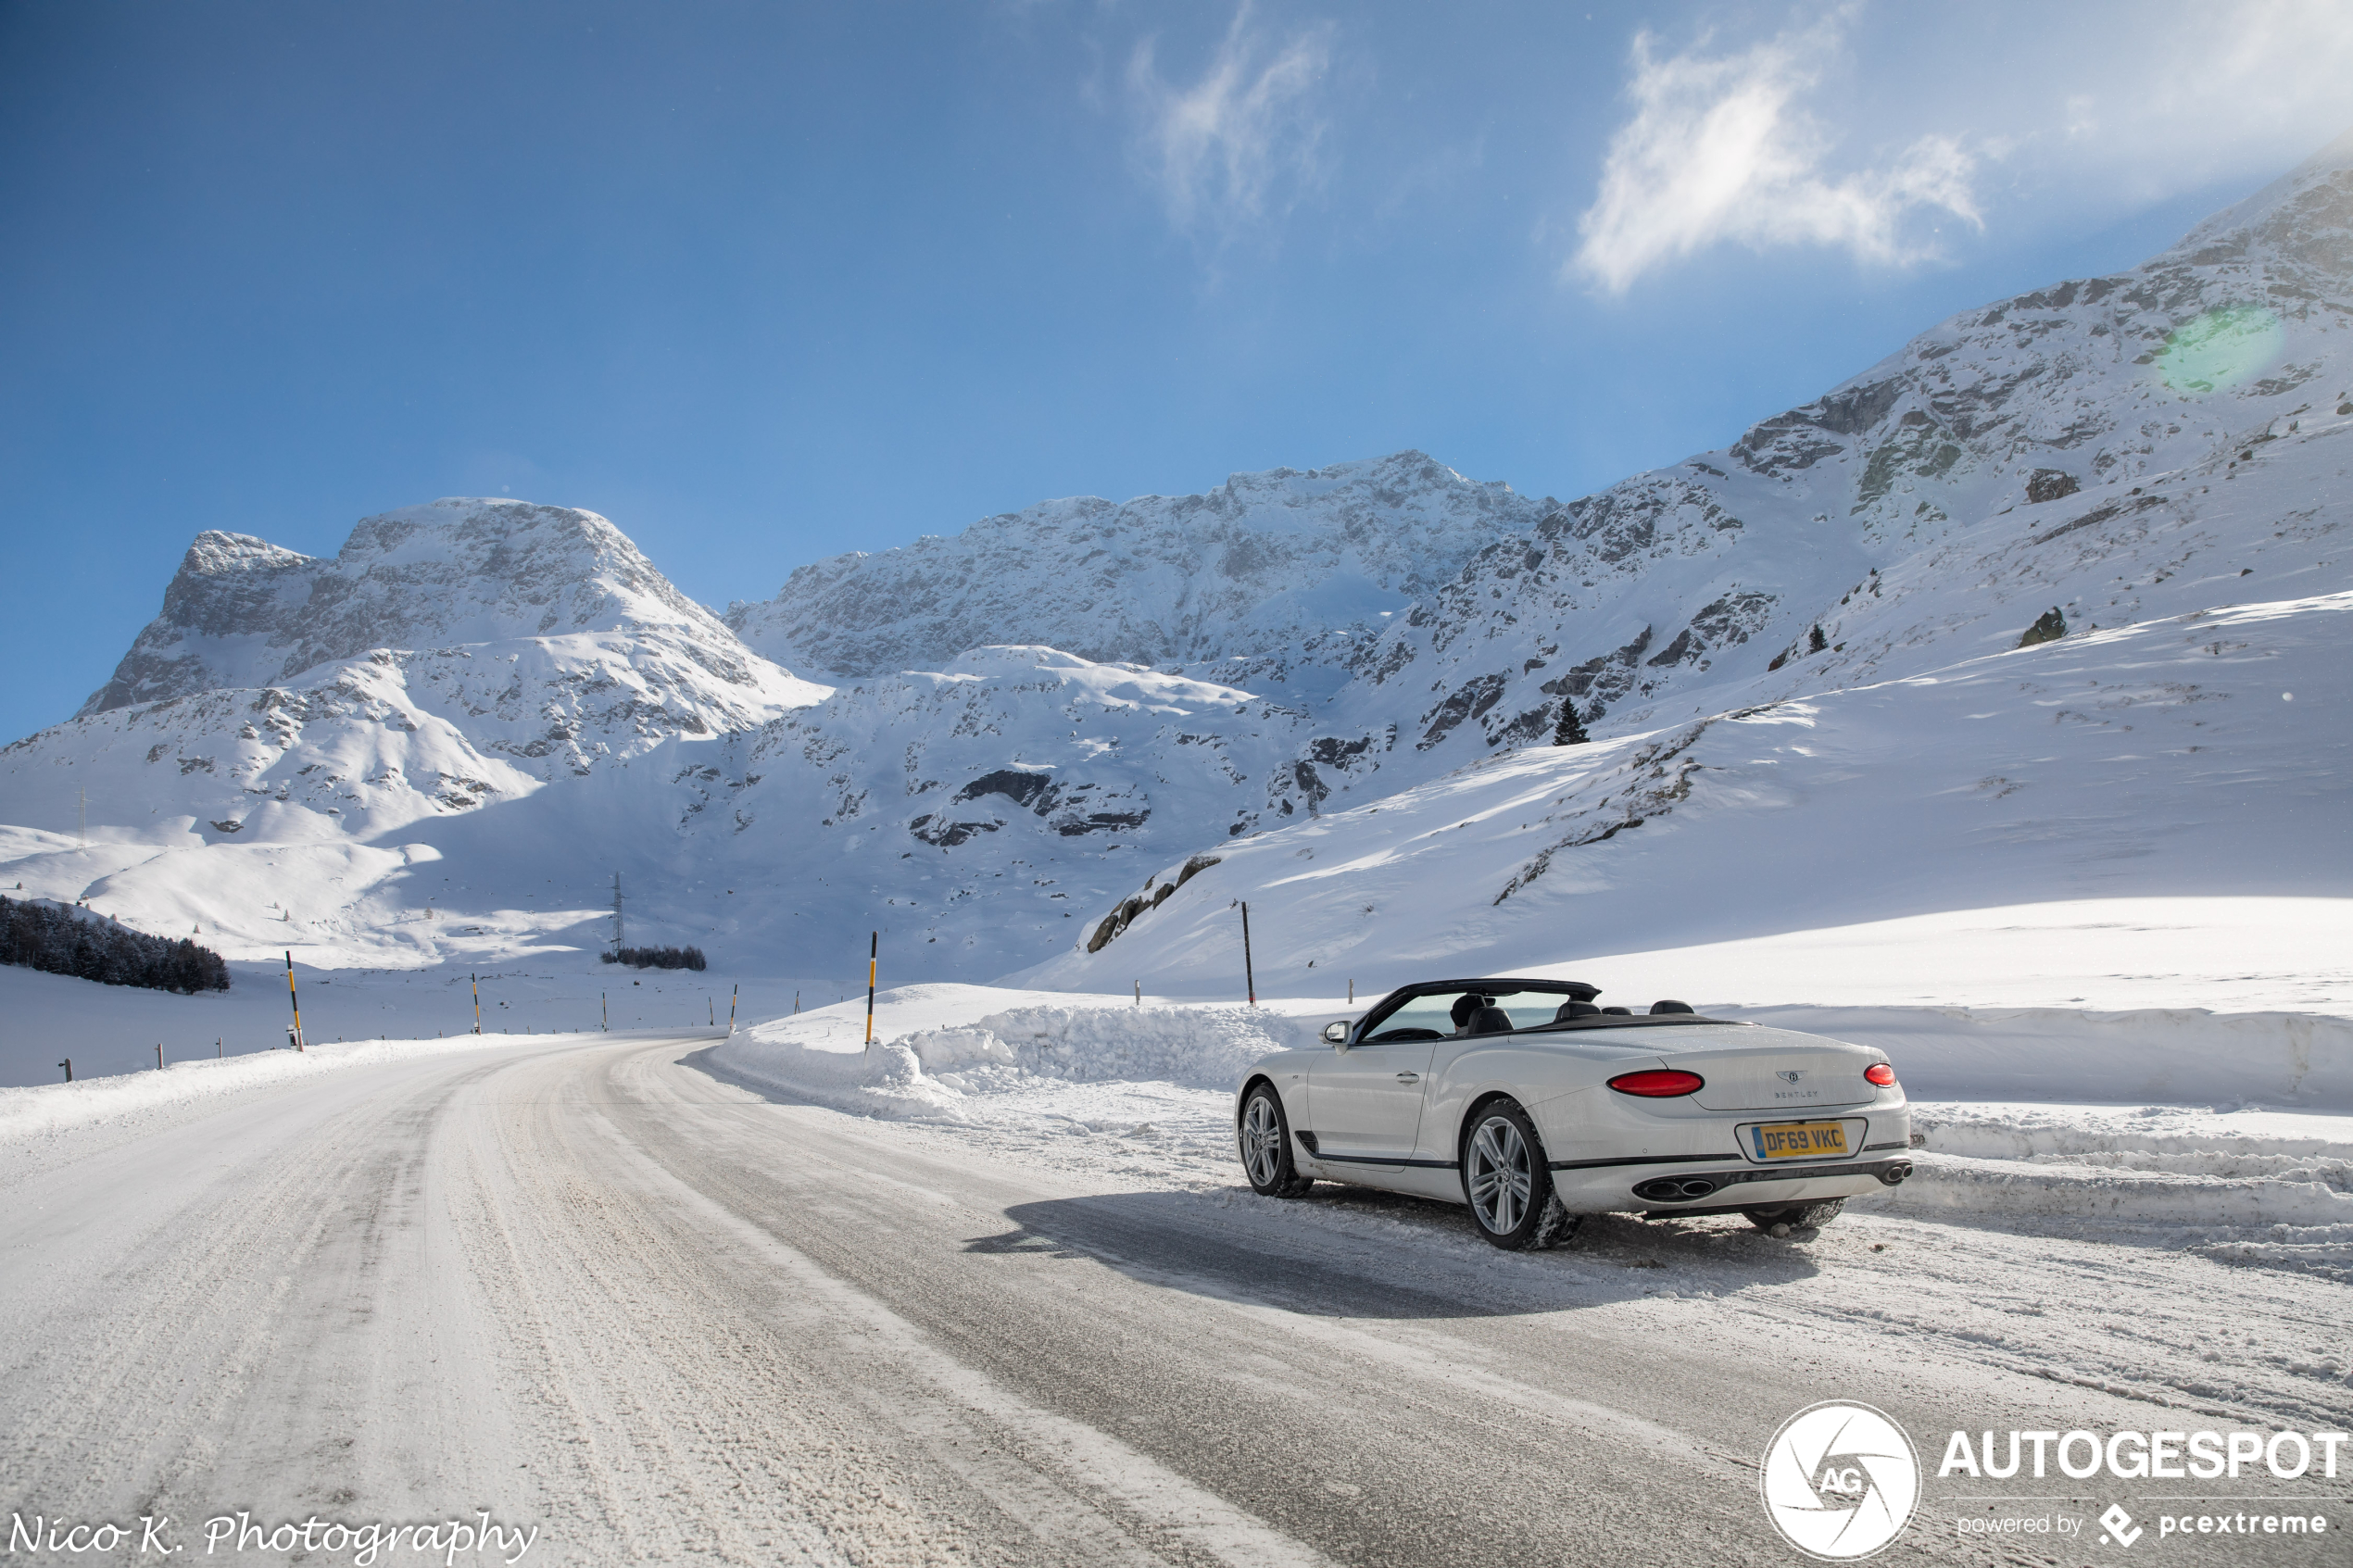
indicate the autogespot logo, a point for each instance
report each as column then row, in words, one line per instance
column 1840, row 1481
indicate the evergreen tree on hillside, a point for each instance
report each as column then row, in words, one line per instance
column 58, row 940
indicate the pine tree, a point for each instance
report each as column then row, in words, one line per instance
column 1570, row 731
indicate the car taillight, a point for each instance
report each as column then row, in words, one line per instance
column 1658, row 1083
column 1880, row 1073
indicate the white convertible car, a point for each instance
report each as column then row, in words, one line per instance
column 1533, row 1106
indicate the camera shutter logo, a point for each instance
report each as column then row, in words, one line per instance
column 1840, row 1481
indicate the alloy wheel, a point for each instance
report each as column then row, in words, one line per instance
column 1501, row 1179
column 1261, row 1141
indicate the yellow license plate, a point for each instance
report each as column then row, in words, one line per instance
column 1799, row 1140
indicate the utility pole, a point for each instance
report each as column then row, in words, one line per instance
column 874, row 953
column 67, row 1065
column 293, row 998
column 1249, row 979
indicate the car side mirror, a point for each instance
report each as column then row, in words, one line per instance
column 1335, row 1032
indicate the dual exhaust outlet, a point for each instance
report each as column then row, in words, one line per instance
column 1688, row 1190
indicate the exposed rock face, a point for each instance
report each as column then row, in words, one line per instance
column 2049, row 485
column 2048, row 627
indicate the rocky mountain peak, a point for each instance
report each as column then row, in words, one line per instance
column 244, row 612
column 1258, row 568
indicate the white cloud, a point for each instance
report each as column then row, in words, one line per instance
column 1720, row 149
column 1244, row 139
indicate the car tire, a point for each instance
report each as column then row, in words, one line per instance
column 1506, row 1181
column 1805, row 1216
column 1264, row 1135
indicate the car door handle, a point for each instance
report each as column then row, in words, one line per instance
column 1409, row 1077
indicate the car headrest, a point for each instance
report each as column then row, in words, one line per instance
column 1670, row 1007
column 1619, row 1013
column 1575, row 1009
column 1465, row 1007
column 1491, row 1021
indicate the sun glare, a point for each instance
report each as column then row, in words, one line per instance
column 2221, row 348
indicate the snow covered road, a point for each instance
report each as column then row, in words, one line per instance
column 590, row 1287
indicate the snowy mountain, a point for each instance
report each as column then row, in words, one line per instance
column 1272, row 569
column 2019, row 445
column 1068, row 730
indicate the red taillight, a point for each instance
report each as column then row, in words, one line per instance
column 1658, row 1083
column 1880, row 1073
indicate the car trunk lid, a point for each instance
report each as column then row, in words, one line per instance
column 1777, row 1071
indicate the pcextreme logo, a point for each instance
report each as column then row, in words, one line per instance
column 1840, row 1481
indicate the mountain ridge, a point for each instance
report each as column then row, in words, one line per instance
column 494, row 691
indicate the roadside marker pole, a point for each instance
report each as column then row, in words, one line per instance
column 604, row 1012
column 159, row 1056
column 294, row 999
column 733, row 993
column 216, row 1048
column 1352, row 992
column 1249, row 979
column 476, row 981
column 874, row 953
column 67, row 1065
column 1139, row 992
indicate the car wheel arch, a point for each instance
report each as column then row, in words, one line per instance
column 1241, row 1095
column 1471, row 1112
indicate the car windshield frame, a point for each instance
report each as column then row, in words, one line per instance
column 1492, row 986
column 1507, row 986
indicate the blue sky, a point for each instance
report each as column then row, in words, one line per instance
column 767, row 283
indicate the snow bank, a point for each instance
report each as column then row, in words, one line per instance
column 1201, row 1048
column 2175, row 1056
column 927, row 1070
column 2299, row 1197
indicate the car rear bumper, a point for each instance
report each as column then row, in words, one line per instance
column 1721, row 1189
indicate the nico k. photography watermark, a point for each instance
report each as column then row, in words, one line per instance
column 479, row 1539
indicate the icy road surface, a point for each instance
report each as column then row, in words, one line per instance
column 588, row 1287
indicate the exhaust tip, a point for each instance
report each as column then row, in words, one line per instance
column 1675, row 1189
column 1895, row 1171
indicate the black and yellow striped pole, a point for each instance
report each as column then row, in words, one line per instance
column 294, row 1000
column 732, row 992
column 874, row 953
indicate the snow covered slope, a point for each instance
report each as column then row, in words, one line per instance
column 2204, row 755
column 1272, row 569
